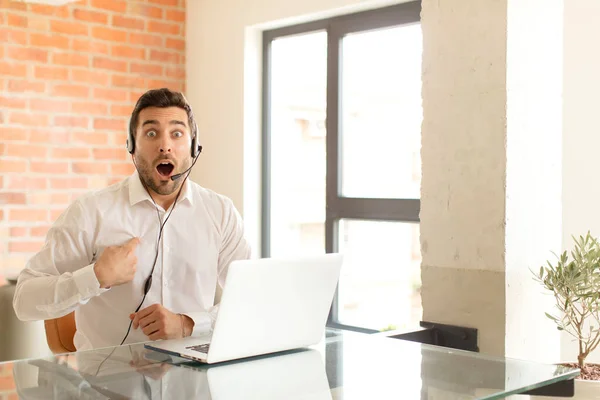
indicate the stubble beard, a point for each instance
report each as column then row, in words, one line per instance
column 162, row 187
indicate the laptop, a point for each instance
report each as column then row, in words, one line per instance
column 267, row 306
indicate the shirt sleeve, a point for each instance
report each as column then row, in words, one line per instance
column 234, row 246
column 61, row 275
column 203, row 321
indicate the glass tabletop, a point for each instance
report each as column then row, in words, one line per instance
column 344, row 365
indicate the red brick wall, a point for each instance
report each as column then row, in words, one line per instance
column 7, row 385
column 69, row 77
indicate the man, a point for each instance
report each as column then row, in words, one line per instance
column 99, row 254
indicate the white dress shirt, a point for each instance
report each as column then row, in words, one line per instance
column 203, row 235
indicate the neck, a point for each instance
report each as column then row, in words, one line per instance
column 165, row 201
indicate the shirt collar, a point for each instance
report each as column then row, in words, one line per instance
column 138, row 193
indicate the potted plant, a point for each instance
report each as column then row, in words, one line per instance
column 575, row 283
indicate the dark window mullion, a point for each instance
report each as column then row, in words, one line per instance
column 265, row 248
column 376, row 209
column 396, row 15
column 333, row 183
column 332, row 246
column 307, row 27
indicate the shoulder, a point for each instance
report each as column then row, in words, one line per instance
column 211, row 200
column 88, row 204
column 109, row 194
column 219, row 207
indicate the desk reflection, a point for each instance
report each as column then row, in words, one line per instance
column 132, row 372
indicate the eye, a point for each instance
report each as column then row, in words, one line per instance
column 178, row 134
column 151, row 133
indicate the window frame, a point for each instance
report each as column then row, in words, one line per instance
column 337, row 206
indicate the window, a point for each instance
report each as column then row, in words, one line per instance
column 341, row 157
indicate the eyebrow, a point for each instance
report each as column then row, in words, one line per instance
column 172, row 122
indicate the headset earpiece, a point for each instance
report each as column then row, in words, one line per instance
column 130, row 142
column 196, row 147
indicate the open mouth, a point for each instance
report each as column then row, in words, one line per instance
column 165, row 168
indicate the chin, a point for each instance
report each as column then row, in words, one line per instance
column 167, row 188
column 162, row 187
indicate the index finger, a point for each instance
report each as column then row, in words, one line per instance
column 132, row 243
column 143, row 313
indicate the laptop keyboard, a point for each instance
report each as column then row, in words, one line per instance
column 201, row 348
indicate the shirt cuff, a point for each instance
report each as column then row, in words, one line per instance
column 202, row 323
column 87, row 282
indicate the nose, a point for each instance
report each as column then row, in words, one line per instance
column 165, row 144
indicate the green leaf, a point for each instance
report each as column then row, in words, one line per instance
column 551, row 317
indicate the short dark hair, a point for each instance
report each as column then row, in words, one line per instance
column 161, row 98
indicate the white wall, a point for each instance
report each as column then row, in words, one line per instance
column 581, row 135
column 533, row 223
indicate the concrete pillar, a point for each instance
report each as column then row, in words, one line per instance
column 491, row 159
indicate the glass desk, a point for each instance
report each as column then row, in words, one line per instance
column 345, row 365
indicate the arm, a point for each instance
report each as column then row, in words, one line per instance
column 234, row 246
column 60, row 276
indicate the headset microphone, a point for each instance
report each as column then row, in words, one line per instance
column 177, row 176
